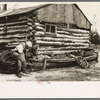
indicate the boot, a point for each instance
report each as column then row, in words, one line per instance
column 25, row 71
column 18, row 72
column 19, row 75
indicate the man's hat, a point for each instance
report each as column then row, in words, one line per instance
column 29, row 44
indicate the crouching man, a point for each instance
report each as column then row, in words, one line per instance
column 18, row 53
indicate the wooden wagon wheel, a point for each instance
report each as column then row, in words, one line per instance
column 82, row 62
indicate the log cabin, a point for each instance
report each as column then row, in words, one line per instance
column 56, row 28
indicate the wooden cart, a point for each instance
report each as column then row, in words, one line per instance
column 81, row 58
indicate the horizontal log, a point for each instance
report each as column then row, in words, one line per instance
column 60, row 43
column 73, row 34
column 71, row 37
column 12, row 40
column 20, row 18
column 39, row 33
column 67, row 59
column 15, row 43
column 12, row 37
column 61, row 48
column 30, row 28
column 17, row 30
column 44, row 43
column 15, row 23
column 8, row 35
column 1, row 28
column 54, row 52
column 76, row 44
column 12, row 46
column 39, row 28
column 60, row 39
column 73, row 30
column 1, row 32
column 38, row 24
column 17, row 27
column 29, row 24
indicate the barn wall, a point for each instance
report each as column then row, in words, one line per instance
column 63, row 13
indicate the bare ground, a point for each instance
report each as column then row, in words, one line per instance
column 73, row 73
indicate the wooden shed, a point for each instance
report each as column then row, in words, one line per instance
column 56, row 28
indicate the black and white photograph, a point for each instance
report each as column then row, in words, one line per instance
column 43, row 42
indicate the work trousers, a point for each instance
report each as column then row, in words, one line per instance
column 21, row 61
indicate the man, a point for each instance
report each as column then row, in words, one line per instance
column 18, row 53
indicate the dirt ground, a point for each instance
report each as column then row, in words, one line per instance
column 73, row 73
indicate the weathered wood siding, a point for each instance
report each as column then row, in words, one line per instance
column 64, row 13
column 79, row 18
column 57, row 13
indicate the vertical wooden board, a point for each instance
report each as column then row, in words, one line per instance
column 75, row 13
column 41, row 14
column 82, row 21
column 47, row 14
column 77, row 16
column 68, row 13
column 60, row 13
column 87, row 25
column 79, row 19
column 50, row 13
column 54, row 13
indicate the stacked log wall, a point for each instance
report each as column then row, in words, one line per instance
column 12, row 32
column 64, row 41
column 15, row 31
